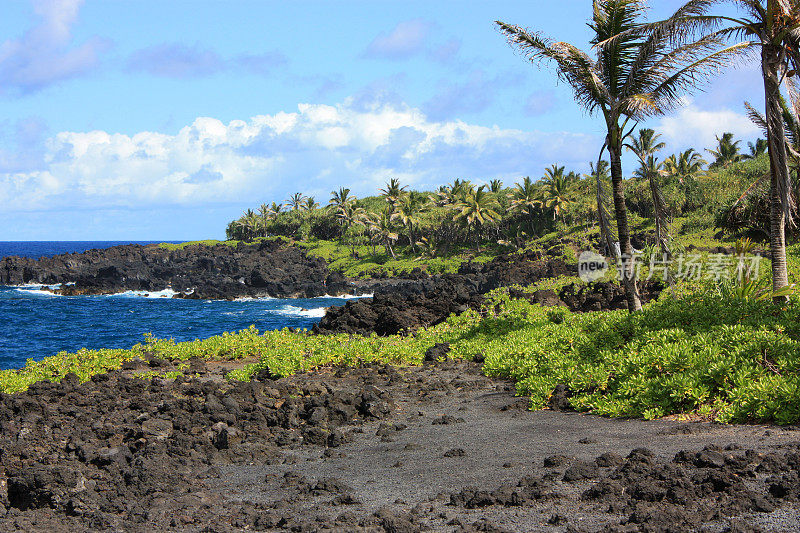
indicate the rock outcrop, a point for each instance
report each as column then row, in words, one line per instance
column 205, row 272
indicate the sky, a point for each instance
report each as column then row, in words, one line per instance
column 148, row 120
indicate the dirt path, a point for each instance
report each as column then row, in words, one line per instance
column 439, row 448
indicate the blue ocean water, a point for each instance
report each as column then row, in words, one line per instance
column 35, row 323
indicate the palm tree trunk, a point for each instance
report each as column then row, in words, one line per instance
column 779, row 171
column 628, row 279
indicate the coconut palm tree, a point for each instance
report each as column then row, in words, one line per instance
column 600, row 175
column 557, row 190
column 525, row 198
column 274, row 210
column 295, row 201
column 637, row 73
column 756, row 149
column 407, row 211
column 727, row 151
column 309, row 205
column 383, row 231
column 340, row 199
column 393, row 191
column 684, row 165
column 773, row 28
column 644, row 146
column 477, row 209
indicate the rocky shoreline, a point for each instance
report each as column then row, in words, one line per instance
column 439, row 447
column 270, row 268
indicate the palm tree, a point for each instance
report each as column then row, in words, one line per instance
column 600, row 175
column 638, row 73
column 274, row 210
column 296, row 201
column 557, row 191
column 760, row 147
column 524, row 198
column 341, row 198
column 553, row 172
column 477, row 209
column 407, row 212
column 496, row 186
column 645, row 145
column 727, row 151
column 309, row 205
column 393, row 191
column 383, row 231
column 773, row 27
column 684, row 165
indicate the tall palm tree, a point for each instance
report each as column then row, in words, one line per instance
column 684, row 165
column 274, row 210
column 553, row 172
column 341, row 198
column 295, row 201
column 600, row 175
column 383, row 230
column 309, row 205
column 407, row 211
column 477, row 209
column 756, row 149
column 496, row 186
column 557, row 191
column 525, row 198
column 727, row 151
column 393, row 191
column 645, row 145
column 636, row 74
column 773, row 28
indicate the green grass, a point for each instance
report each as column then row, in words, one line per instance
column 366, row 264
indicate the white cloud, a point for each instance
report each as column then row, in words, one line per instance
column 44, row 54
column 696, row 128
column 313, row 150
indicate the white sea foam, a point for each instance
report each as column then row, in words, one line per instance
column 290, row 310
column 166, row 293
column 251, row 299
column 39, row 292
column 347, row 296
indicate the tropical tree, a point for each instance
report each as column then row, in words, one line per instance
column 309, row 204
column 525, row 198
column 383, row 231
column 496, row 186
column 638, row 72
column 683, row 165
column 557, row 190
column 773, row 28
column 644, row 146
column 727, row 151
column 600, row 174
column 393, row 191
column 477, row 209
column 756, row 149
column 295, row 201
column 340, row 199
column 407, row 211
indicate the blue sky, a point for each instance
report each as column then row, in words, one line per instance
column 165, row 120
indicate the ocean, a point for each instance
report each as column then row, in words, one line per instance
column 35, row 323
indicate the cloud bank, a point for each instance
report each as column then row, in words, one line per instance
column 313, row 150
